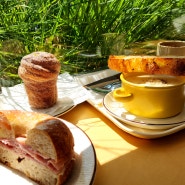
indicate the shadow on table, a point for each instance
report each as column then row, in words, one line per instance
column 158, row 161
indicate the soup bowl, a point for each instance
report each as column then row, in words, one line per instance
column 151, row 96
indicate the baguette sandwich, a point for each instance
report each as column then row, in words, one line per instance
column 148, row 64
column 38, row 145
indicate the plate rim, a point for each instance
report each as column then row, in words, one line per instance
column 92, row 147
column 66, row 111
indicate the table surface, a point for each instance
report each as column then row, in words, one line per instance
column 123, row 159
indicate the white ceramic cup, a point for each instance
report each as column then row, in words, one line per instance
column 171, row 48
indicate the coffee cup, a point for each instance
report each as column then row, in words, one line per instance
column 171, row 48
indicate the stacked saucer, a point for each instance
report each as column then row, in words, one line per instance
column 139, row 126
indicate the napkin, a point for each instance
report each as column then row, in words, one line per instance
column 70, row 93
column 94, row 98
column 88, row 78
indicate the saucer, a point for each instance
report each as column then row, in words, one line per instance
column 117, row 110
column 141, row 132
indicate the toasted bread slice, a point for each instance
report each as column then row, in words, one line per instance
column 148, row 64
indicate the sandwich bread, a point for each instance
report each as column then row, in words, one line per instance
column 38, row 145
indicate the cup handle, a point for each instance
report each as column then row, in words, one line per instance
column 120, row 93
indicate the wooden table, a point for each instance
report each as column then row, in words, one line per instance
column 123, row 159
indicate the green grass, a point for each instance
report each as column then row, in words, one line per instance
column 81, row 33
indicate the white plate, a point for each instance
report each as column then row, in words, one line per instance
column 62, row 106
column 145, row 133
column 116, row 109
column 16, row 98
column 67, row 109
column 84, row 169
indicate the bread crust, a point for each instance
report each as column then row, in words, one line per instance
column 45, row 135
column 148, row 64
column 58, row 134
column 6, row 130
column 39, row 67
column 41, row 95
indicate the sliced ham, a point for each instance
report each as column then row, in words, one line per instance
column 18, row 145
